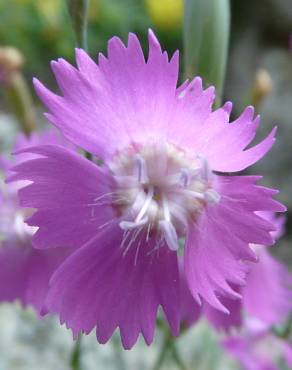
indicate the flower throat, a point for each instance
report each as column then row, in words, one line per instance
column 160, row 189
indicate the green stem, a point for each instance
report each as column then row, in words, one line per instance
column 163, row 352
column 177, row 357
column 78, row 10
column 168, row 346
column 20, row 100
column 285, row 332
column 118, row 352
column 75, row 361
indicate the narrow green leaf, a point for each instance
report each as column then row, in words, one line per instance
column 206, row 37
column 78, row 10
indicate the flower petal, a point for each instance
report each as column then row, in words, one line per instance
column 223, row 233
column 25, row 273
column 118, row 288
column 124, row 94
column 71, row 194
column 211, row 135
column 271, row 276
column 190, row 310
column 222, row 321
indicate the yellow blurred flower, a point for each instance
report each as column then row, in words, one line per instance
column 165, row 14
column 23, row 2
column 50, row 10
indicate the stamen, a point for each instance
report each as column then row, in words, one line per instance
column 185, row 177
column 140, row 219
column 170, row 234
column 148, row 231
column 166, row 210
column 146, row 204
column 212, row 196
column 140, row 170
column 192, row 193
column 158, row 190
column 205, row 169
column 167, row 227
column 134, row 235
column 137, row 252
column 125, row 238
column 130, row 225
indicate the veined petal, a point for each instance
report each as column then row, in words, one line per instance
column 118, row 289
column 124, row 94
column 71, row 194
column 222, row 321
column 190, row 309
column 271, row 276
column 223, row 233
column 25, row 273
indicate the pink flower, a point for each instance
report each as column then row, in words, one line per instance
column 257, row 349
column 166, row 158
column 267, row 295
column 24, row 271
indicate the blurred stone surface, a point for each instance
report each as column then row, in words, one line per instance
column 276, row 109
column 27, row 343
column 8, row 128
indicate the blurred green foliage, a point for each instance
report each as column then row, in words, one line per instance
column 42, row 31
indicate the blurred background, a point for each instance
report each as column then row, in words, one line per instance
column 259, row 72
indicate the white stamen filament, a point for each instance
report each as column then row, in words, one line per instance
column 130, row 225
column 167, row 227
column 192, row 193
column 146, row 204
column 170, row 234
column 166, row 211
column 140, row 219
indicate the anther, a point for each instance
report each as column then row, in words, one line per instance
column 185, row 177
column 140, row 169
column 205, row 169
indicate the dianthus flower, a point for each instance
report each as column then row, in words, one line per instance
column 267, row 294
column 259, row 349
column 267, row 275
column 166, row 158
column 24, row 271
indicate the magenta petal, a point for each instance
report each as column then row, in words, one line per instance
column 124, row 93
column 222, row 321
column 205, row 246
column 190, row 310
column 244, row 350
column 25, row 273
column 240, row 161
column 71, row 195
column 223, row 233
column 270, row 276
column 100, row 287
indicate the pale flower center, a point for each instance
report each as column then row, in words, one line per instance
column 160, row 189
column 12, row 225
